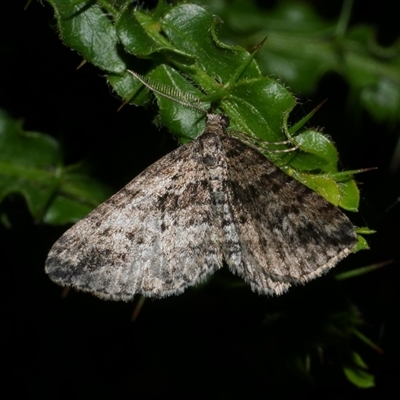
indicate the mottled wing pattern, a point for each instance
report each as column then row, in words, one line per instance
column 283, row 232
column 210, row 200
column 155, row 237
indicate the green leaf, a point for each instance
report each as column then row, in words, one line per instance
column 192, row 29
column 357, row 374
column 85, row 27
column 190, row 123
column 302, row 47
column 340, row 193
column 318, row 152
column 354, row 273
column 365, row 231
column 350, row 195
column 184, row 54
column 140, row 33
column 31, row 165
column 362, row 244
column 77, row 194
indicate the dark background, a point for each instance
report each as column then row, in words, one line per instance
column 211, row 341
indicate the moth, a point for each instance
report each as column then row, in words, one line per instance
column 210, row 202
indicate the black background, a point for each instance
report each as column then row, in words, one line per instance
column 211, row 341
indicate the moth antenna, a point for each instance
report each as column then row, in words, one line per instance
column 265, row 145
column 169, row 92
column 187, row 100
